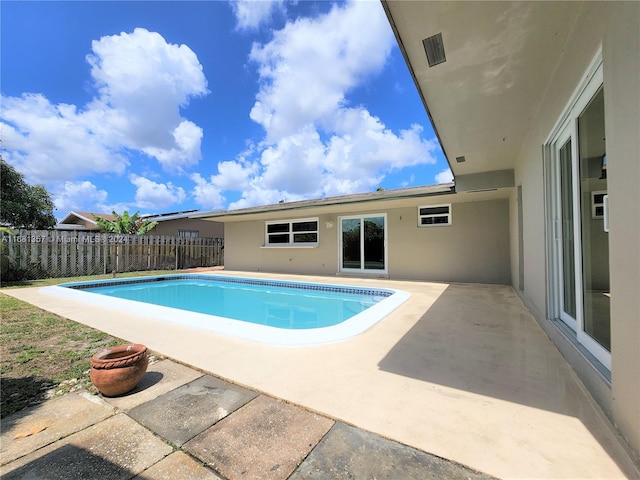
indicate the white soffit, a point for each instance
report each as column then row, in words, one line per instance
column 499, row 59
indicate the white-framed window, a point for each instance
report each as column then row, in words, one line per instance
column 597, row 203
column 292, row 233
column 188, row 233
column 434, row 215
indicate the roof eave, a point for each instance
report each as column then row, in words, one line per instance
column 396, row 33
column 417, row 192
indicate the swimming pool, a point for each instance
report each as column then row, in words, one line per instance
column 266, row 311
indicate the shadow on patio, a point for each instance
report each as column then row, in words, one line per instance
column 482, row 340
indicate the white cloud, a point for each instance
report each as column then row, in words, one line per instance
column 118, row 207
column 50, row 143
column 82, row 196
column 445, row 176
column 355, row 159
column 262, row 196
column 294, row 164
column 234, row 175
column 363, row 148
column 186, row 149
column 316, row 144
column 142, row 83
column 309, row 66
column 207, row 195
column 250, row 14
column 156, row 196
column 141, row 68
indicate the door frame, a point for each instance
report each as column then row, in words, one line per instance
column 567, row 133
column 567, row 127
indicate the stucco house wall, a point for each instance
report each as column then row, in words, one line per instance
column 475, row 248
column 580, row 49
column 203, row 227
column 621, row 49
column 616, row 31
column 244, row 250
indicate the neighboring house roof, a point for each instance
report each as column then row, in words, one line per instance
column 85, row 220
column 73, row 217
column 82, row 221
column 383, row 198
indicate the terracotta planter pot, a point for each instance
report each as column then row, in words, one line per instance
column 117, row 370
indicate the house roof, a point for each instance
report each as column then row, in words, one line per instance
column 72, row 221
column 163, row 217
column 500, row 57
column 76, row 220
column 364, row 201
column 73, row 217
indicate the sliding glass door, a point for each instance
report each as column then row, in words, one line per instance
column 594, row 219
column 363, row 244
column 579, row 270
column 567, row 228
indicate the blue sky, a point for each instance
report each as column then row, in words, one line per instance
column 176, row 105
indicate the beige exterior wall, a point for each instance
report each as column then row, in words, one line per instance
column 86, row 224
column 244, row 250
column 205, row 228
column 621, row 52
column 475, row 248
column 581, row 48
column 615, row 27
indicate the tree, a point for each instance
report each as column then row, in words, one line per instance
column 125, row 224
column 23, row 205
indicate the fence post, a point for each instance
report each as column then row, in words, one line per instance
column 148, row 250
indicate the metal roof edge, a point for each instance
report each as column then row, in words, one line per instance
column 77, row 215
column 162, row 217
column 415, row 192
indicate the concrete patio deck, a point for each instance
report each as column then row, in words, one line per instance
column 459, row 371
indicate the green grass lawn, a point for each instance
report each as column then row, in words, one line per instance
column 42, row 354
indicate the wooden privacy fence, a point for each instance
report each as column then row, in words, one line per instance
column 52, row 253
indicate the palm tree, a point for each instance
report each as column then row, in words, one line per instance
column 125, row 224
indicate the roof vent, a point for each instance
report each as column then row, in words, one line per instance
column 434, row 48
column 461, row 159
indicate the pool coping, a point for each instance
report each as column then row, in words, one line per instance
column 243, row 330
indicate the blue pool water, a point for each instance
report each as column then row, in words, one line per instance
column 287, row 305
column 268, row 311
